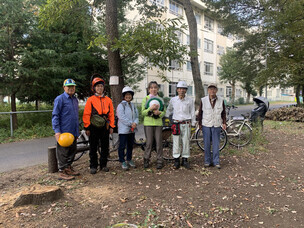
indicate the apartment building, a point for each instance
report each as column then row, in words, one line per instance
column 211, row 46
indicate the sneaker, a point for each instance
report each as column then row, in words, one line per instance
column 105, row 169
column 64, row 176
column 185, row 163
column 71, row 171
column 159, row 166
column 206, row 165
column 176, row 163
column 218, row 166
column 124, row 166
column 93, row 170
column 131, row 164
column 146, row 163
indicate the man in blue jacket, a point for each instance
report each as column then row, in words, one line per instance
column 65, row 120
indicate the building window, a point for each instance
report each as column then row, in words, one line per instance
column 189, row 68
column 198, row 42
column 190, row 91
column 206, row 89
column 209, row 23
column 172, row 89
column 157, row 2
column 198, row 18
column 220, row 50
column 175, row 8
column 219, row 70
column 238, row 92
column 175, row 65
column 208, row 68
column 179, row 36
column 208, row 45
column 228, row 91
column 220, row 92
column 220, row 29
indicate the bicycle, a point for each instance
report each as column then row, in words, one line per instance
column 239, row 130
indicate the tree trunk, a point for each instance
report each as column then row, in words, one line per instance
column 198, row 85
column 298, row 95
column 36, row 104
column 232, row 92
column 14, row 109
column 114, row 59
column 247, row 98
column 1, row 98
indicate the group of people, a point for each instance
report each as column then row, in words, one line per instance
column 99, row 122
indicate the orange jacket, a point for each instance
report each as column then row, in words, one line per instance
column 103, row 105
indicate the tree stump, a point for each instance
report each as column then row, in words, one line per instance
column 52, row 160
column 38, row 194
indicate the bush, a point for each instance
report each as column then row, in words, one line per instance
column 241, row 100
column 30, row 125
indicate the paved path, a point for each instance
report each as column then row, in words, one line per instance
column 32, row 152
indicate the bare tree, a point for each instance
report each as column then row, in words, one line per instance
column 198, row 85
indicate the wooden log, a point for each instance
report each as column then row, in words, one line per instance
column 52, row 160
column 38, row 194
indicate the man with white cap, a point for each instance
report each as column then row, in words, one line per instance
column 183, row 111
column 212, row 116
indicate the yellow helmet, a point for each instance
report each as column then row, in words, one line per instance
column 66, row 139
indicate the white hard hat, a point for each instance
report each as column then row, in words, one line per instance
column 182, row 84
column 127, row 89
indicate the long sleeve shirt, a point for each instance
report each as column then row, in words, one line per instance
column 182, row 109
column 212, row 102
column 65, row 114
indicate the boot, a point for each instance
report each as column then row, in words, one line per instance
column 64, row 176
column 176, row 163
column 70, row 171
column 185, row 163
column 146, row 163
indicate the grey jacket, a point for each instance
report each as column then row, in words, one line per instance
column 127, row 114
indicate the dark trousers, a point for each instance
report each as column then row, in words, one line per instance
column 65, row 155
column 125, row 140
column 99, row 135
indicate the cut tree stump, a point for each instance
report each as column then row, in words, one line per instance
column 38, row 194
column 52, row 160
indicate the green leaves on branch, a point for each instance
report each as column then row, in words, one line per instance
column 156, row 41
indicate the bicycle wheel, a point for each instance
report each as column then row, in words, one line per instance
column 239, row 133
column 200, row 139
column 113, row 147
column 82, row 146
column 167, row 144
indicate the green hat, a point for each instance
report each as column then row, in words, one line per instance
column 69, row 82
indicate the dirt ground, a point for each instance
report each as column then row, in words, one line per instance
column 261, row 185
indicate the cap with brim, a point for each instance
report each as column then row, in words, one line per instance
column 69, row 82
column 212, row 85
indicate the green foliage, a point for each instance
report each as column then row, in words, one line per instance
column 156, row 41
column 241, row 100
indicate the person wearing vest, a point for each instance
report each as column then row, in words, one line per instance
column 98, row 119
column 153, row 111
column 127, row 126
column 183, row 117
column 212, row 116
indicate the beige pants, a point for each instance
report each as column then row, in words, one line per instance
column 182, row 142
column 152, row 133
